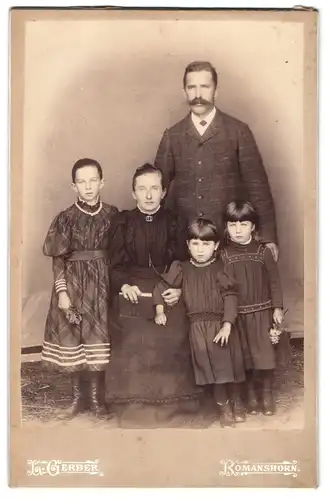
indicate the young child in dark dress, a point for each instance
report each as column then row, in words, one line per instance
column 260, row 300
column 211, row 302
column 76, row 336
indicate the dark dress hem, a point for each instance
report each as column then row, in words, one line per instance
column 169, row 400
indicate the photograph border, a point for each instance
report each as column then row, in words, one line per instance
column 148, row 444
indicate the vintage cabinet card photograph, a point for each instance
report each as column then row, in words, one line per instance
column 163, row 229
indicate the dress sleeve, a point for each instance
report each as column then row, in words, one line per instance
column 256, row 183
column 113, row 212
column 165, row 159
column 173, row 279
column 114, row 217
column 119, row 258
column 274, row 280
column 228, row 289
column 57, row 245
column 181, row 237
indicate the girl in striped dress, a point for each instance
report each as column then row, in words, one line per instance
column 76, row 338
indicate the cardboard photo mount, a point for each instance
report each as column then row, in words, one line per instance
column 200, row 457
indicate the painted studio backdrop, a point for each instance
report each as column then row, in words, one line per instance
column 108, row 89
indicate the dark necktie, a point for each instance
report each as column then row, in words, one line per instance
column 203, row 123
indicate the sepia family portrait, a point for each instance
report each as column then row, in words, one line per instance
column 162, row 218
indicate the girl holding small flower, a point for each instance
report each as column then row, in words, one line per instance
column 77, row 337
column 260, row 300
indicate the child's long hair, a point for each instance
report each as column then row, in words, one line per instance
column 241, row 210
column 203, row 229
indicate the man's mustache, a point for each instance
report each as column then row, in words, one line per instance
column 198, row 100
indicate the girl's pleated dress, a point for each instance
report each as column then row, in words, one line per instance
column 256, row 274
column 211, row 300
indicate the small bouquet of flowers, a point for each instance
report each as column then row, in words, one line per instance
column 276, row 331
column 73, row 315
column 280, row 339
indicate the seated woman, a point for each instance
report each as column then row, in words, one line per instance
column 150, row 372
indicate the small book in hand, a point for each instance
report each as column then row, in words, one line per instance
column 143, row 309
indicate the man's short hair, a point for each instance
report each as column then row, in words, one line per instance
column 200, row 66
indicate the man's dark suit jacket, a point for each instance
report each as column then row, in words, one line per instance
column 211, row 170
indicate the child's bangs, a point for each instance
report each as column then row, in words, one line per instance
column 239, row 216
column 243, row 213
column 203, row 231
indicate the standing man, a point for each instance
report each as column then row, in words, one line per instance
column 213, row 158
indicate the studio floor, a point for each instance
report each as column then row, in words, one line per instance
column 43, row 393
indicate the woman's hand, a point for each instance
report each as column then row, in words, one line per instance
column 172, row 296
column 278, row 316
column 131, row 293
column 64, row 302
column 223, row 334
column 160, row 319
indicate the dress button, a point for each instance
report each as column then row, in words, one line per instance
column 201, row 214
column 200, row 179
column 200, row 197
column 199, row 162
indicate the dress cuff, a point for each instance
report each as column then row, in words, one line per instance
column 229, row 319
column 60, row 285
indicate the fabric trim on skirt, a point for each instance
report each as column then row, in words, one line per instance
column 91, row 354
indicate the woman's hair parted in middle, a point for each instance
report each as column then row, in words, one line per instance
column 203, row 229
column 147, row 168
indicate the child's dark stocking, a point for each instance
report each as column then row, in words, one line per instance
column 226, row 415
column 238, row 406
column 268, row 400
column 252, row 399
column 77, row 404
column 95, row 394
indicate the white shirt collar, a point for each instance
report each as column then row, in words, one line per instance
column 197, row 119
column 245, row 243
column 147, row 213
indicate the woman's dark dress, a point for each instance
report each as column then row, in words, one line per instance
column 256, row 274
column 68, row 347
column 149, row 364
column 211, row 299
